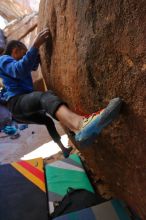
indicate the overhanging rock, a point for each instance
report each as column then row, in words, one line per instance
column 21, row 27
column 97, row 51
column 12, row 9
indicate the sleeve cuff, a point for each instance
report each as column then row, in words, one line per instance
column 34, row 50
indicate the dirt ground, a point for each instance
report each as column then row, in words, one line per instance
column 30, row 139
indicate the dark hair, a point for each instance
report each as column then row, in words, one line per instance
column 1, row 51
column 13, row 44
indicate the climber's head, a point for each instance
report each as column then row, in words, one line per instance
column 16, row 49
column 1, row 51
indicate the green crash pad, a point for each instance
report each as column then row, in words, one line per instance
column 62, row 174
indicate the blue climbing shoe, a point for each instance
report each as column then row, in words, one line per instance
column 93, row 124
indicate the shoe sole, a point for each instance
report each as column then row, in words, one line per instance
column 111, row 111
column 105, row 119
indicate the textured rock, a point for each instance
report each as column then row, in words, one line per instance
column 33, row 4
column 11, row 9
column 22, row 27
column 97, row 51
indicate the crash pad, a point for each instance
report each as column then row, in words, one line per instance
column 62, row 174
column 110, row 210
column 22, row 191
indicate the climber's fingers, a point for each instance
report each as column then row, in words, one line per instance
column 45, row 32
column 41, row 37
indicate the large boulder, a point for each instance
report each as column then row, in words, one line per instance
column 97, row 51
column 22, row 27
column 11, row 9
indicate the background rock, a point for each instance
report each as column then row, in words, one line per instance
column 11, row 9
column 21, row 27
column 97, row 51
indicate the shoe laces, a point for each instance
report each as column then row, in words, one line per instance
column 93, row 114
column 88, row 118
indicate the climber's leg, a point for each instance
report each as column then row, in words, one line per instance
column 27, row 109
column 50, row 125
column 88, row 128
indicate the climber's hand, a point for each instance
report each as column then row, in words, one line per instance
column 41, row 38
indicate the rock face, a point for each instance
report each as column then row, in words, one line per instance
column 22, row 27
column 11, row 9
column 97, row 51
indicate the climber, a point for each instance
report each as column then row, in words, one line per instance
column 31, row 106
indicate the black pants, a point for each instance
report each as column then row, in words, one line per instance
column 31, row 108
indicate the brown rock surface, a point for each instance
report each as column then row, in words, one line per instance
column 21, row 27
column 97, row 51
column 11, row 9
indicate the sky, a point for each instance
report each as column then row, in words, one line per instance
column 2, row 23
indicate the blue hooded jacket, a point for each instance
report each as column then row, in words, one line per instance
column 16, row 75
